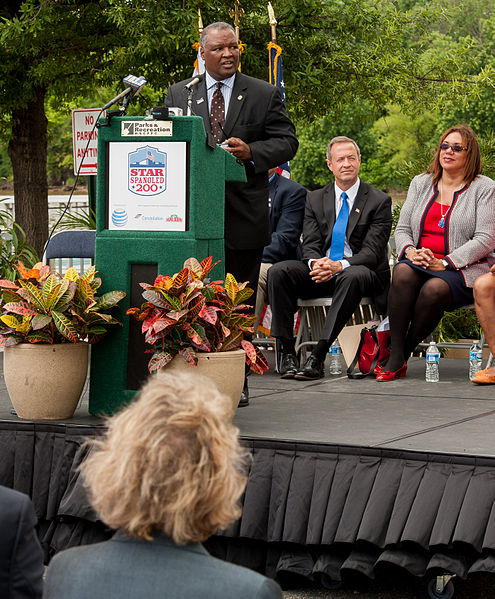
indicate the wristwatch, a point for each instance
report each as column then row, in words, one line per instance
column 446, row 264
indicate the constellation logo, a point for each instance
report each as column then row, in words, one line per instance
column 119, row 218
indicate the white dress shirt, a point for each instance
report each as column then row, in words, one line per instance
column 226, row 89
column 351, row 196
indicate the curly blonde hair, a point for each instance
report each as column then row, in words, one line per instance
column 170, row 462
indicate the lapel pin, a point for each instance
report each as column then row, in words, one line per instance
column 239, row 97
column 357, row 210
column 199, row 100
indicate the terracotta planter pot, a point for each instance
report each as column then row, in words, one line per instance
column 225, row 369
column 45, row 381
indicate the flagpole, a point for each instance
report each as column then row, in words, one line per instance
column 276, row 72
column 200, row 23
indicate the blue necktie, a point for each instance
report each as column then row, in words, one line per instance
column 339, row 229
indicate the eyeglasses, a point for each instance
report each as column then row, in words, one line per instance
column 454, row 147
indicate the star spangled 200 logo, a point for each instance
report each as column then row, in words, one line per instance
column 147, row 171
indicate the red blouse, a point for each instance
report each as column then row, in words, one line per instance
column 433, row 235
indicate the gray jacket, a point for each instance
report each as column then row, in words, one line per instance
column 469, row 228
column 21, row 557
column 133, row 569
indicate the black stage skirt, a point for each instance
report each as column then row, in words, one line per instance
column 461, row 295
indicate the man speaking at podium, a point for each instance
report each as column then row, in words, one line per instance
column 248, row 118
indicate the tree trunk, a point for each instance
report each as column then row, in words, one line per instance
column 28, row 153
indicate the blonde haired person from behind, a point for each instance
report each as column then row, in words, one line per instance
column 168, row 474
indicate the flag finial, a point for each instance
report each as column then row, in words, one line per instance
column 236, row 13
column 273, row 22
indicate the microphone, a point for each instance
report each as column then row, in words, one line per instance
column 133, row 87
column 134, row 83
column 192, row 83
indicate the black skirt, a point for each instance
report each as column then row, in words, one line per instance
column 461, row 295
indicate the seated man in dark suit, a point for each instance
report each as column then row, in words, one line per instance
column 345, row 234
column 286, row 200
column 21, row 557
column 169, row 473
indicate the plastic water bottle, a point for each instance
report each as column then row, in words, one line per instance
column 475, row 357
column 432, row 359
column 335, row 358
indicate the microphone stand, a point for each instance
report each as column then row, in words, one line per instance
column 127, row 94
column 189, row 101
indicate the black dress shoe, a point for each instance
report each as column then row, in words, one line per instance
column 244, row 401
column 312, row 369
column 288, row 366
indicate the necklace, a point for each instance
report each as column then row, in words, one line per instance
column 441, row 222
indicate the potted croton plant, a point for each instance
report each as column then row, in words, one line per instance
column 46, row 324
column 189, row 320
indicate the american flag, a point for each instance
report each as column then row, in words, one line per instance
column 277, row 78
column 199, row 63
column 150, row 156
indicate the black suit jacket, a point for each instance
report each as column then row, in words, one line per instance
column 286, row 218
column 21, row 557
column 256, row 115
column 368, row 230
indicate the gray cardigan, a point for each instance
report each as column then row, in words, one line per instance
column 469, row 226
column 130, row 568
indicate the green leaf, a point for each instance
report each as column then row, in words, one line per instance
column 11, row 321
column 71, row 274
column 233, row 341
column 242, row 295
column 108, row 300
column 35, row 295
column 97, row 330
column 39, row 337
column 40, row 320
column 157, row 300
column 56, row 294
column 231, row 286
column 48, row 286
column 65, row 326
column 66, row 298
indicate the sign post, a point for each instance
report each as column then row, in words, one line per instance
column 83, row 129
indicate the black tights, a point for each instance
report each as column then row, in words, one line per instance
column 415, row 306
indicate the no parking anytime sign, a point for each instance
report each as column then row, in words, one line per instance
column 84, row 130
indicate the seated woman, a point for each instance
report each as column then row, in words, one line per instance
column 168, row 475
column 445, row 231
column 484, row 302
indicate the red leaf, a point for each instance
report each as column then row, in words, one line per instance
column 181, row 278
column 19, row 308
column 249, row 349
column 159, row 360
column 208, row 314
column 188, row 355
column 8, row 284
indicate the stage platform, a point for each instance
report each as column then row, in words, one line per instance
column 347, row 476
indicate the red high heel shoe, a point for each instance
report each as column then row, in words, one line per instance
column 378, row 369
column 387, row 375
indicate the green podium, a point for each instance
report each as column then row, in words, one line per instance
column 159, row 200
